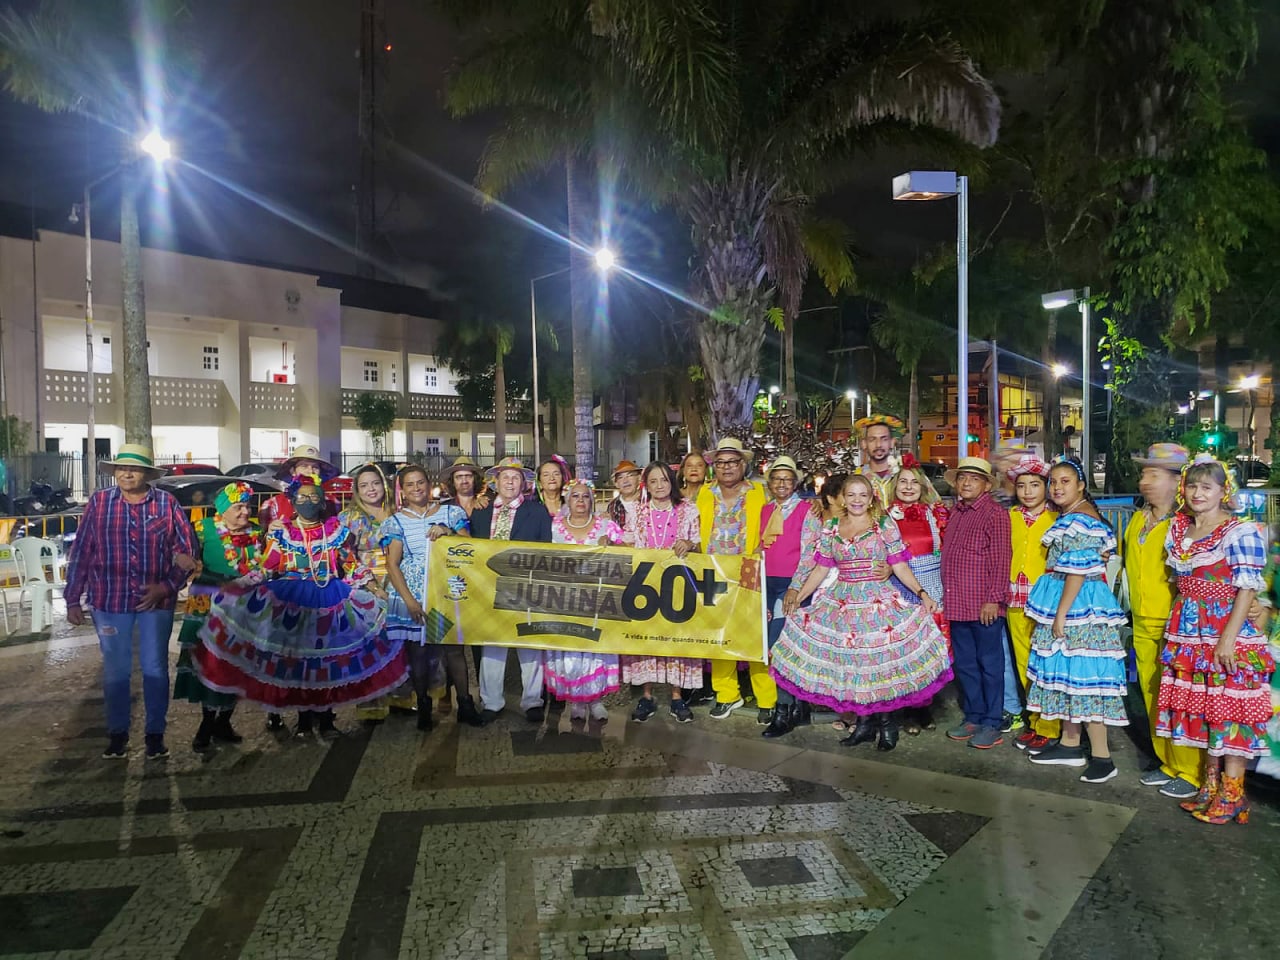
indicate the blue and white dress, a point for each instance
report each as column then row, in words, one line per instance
column 1080, row 677
column 412, row 530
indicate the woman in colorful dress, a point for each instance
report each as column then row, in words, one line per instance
column 1216, row 667
column 550, row 482
column 407, row 537
column 229, row 553
column 1076, row 669
column 666, row 521
column 582, row 678
column 310, row 639
column 1029, row 520
column 370, row 505
column 921, row 518
column 861, row 647
column 1265, row 614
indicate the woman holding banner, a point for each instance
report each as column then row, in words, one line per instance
column 407, row 536
column 665, row 521
column 583, row 679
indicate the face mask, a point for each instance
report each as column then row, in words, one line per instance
column 308, row 509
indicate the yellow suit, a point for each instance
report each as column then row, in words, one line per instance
column 1029, row 558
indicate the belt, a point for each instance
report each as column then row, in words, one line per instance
column 1198, row 588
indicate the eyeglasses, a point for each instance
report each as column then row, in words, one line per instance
column 727, row 463
column 788, row 481
column 308, row 498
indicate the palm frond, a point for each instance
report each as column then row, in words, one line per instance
column 828, row 243
column 525, row 146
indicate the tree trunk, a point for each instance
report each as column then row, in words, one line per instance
column 913, row 411
column 790, row 394
column 136, row 378
column 581, row 300
column 729, row 279
column 499, row 403
column 1051, row 417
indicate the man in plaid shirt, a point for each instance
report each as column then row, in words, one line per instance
column 131, row 556
column 976, row 554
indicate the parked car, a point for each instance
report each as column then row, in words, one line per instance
column 259, row 469
column 936, row 472
column 191, row 470
column 1252, row 472
column 341, row 485
column 200, row 491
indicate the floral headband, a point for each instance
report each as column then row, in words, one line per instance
column 1229, row 489
column 230, row 495
column 896, row 429
column 1064, row 461
column 301, row 480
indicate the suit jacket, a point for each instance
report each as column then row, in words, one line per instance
column 531, row 523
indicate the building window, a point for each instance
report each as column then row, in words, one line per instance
column 211, row 358
column 430, row 378
column 106, row 340
column 433, row 445
column 453, row 443
column 371, row 371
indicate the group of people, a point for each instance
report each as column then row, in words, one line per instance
column 877, row 596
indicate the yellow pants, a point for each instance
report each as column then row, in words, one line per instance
column 1020, row 629
column 1148, row 641
column 724, row 681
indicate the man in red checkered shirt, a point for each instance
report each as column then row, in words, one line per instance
column 976, row 554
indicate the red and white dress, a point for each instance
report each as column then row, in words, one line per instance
column 659, row 530
column 1200, row 704
column 581, row 676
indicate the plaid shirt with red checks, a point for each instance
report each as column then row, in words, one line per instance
column 121, row 547
column 976, row 554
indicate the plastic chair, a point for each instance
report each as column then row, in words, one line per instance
column 28, row 557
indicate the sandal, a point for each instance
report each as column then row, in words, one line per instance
column 842, row 726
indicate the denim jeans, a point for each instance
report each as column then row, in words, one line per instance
column 1012, row 688
column 115, row 640
column 979, row 666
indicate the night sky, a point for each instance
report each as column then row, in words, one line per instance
column 275, row 113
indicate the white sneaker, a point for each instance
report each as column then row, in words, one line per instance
column 599, row 712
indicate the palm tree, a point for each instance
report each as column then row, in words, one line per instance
column 733, row 112
column 69, row 56
column 478, row 343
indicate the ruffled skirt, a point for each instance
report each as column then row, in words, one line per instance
column 293, row 644
column 861, row 648
column 580, row 676
column 186, row 683
column 683, row 672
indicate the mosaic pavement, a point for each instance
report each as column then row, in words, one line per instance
column 622, row 841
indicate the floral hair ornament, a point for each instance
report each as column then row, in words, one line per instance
column 1229, row 488
column 301, row 480
column 1062, row 460
column 230, row 495
column 896, row 429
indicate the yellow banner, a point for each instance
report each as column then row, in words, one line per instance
column 605, row 599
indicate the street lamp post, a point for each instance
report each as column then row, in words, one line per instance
column 937, row 185
column 852, row 397
column 1249, row 384
column 605, row 259
column 1056, row 301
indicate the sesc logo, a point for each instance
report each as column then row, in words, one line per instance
column 462, row 552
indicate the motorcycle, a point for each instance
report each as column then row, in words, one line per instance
column 42, row 499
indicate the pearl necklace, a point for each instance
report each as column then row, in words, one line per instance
column 324, row 555
column 571, row 526
column 656, row 539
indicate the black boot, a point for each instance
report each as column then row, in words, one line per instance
column 888, row 731
column 800, row 714
column 468, row 714
column 864, row 732
column 327, row 726
column 223, row 732
column 781, row 723
column 424, row 714
column 204, row 736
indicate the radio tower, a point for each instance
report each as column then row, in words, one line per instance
column 374, row 49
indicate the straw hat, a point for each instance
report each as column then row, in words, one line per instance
column 463, row 464
column 785, row 463
column 1170, row 456
column 509, row 463
column 970, row 465
column 306, row 452
column 134, row 455
column 734, row 445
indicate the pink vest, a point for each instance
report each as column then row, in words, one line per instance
column 782, row 559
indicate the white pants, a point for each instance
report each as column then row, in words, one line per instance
column 493, row 675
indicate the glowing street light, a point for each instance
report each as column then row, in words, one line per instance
column 1056, row 301
column 605, row 260
column 156, row 146
column 1250, row 382
column 1059, row 370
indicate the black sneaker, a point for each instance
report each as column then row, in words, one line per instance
column 1011, row 722
column 535, row 714
column 722, row 710
column 765, row 717
column 1099, row 770
column 1061, row 756
column 645, row 709
column 117, row 747
column 680, row 710
column 156, row 750
column 328, row 729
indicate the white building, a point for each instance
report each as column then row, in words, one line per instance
column 245, row 361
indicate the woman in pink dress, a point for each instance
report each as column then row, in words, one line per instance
column 664, row 521
column 582, row 678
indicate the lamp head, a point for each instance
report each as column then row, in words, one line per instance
column 1059, row 370
column 605, row 259
column 1058, row 299
column 1250, row 382
column 851, row 395
column 925, row 185
column 156, row 146
column 775, row 389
